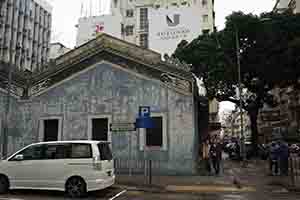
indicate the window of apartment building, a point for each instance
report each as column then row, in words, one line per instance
column 144, row 40
column 205, row 31
column 129, row 30
column 129, row 13
column 204, row 18
column 115, row 3
column 144, row 18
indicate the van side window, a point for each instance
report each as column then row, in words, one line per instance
column 81, row 151
column 57, row 151
column 105, row 152
column 32, row 153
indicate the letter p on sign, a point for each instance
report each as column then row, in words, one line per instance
column 144, row 111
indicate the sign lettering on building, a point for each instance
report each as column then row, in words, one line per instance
column 169, row 26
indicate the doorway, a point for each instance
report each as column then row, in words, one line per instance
column 51, row 130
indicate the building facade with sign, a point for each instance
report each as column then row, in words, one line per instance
column 104, row 82
column 155, row 24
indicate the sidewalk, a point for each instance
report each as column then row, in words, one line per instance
column 234, row 179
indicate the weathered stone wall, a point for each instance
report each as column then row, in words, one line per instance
column 108, row 90
column 14, row 131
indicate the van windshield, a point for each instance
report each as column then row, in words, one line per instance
column 105, row 152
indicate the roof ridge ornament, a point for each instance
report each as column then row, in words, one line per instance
column 175, row 62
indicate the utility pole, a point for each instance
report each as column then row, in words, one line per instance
column 242, row 146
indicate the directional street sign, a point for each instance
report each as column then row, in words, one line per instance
column 122, row 127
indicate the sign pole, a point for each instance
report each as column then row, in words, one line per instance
column 144, row 121
column 130, row 155
column 144, row 148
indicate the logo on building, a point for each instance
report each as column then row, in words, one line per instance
column 173, row 21
column 99, row 28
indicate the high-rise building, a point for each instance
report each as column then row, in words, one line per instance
column 25, row 27
column 156, row 24
column 283, row 5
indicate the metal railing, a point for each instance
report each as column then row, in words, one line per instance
column 127, row 166
column 147, row 168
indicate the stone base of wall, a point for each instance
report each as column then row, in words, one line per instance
column 158, row 167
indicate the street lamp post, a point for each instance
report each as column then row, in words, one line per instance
column 242, row 146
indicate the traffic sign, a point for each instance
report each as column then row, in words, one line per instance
column 144, row 111
column 122, row 127
column 144, row 120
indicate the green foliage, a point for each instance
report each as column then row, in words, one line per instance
column 269, row 52
column 269, row 55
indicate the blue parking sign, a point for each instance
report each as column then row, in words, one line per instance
column 144, row 111
column 144, row 120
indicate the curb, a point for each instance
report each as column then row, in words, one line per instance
column 185, row 189
column 150, row 189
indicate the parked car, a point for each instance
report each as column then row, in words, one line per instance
column 75, row 167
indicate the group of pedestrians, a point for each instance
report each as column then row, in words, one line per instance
column 279, row 158
column 212, row 154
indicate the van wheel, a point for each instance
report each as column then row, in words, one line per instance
column 4, row 184
column 76, row 187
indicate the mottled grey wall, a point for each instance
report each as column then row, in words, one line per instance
column 14, row 130
column 107, row 90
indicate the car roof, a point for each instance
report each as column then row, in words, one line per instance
column 72, row 141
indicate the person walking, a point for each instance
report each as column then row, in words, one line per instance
column 283, row 158
column 216, row 155
column 206, row 158
column 274, row 158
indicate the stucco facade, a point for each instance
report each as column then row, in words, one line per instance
column 107, row 89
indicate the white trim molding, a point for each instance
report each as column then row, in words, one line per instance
column 90, row 125
column 42, row 131
column 142, row 134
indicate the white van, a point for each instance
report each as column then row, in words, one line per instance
column 76, row 167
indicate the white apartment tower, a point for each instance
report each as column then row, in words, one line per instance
column 25, row 27
column 155, row 24
column 292, row 5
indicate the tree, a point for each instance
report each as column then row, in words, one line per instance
column 269, row 54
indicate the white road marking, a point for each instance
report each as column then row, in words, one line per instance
column 10, row 199
column 117, row 195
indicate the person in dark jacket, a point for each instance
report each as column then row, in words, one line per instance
column 283, row 157
column 274, row 158
column 216, row 155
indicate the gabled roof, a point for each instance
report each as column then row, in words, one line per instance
column 105, row 48
column 122, row 53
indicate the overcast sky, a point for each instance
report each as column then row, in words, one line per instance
column 67, row 12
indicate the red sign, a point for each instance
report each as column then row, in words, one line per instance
column 99, row 28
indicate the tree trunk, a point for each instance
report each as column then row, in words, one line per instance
column 253, row 114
